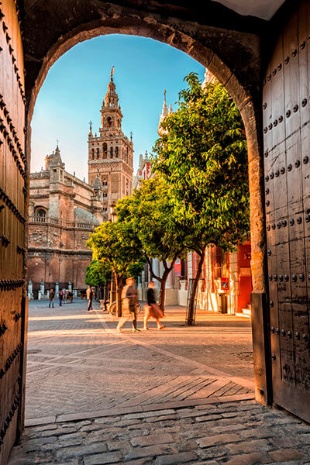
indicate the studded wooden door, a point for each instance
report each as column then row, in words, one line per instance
column 286, row 105
column 13, row 194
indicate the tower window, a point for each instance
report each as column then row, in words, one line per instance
column 116, row 152
column 104, row 150
column 40, row 215
column 111, row 152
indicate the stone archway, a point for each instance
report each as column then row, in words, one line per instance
column 212, row 48
column 232, row 56
column 228, row 44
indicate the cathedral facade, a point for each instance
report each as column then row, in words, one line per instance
column 63, row 210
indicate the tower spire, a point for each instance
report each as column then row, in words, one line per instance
column 111, row 97
column 164, row 113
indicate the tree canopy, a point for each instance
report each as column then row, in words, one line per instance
column 118, row 245
column 154, row 215
column 98, row 273
column 202, row 154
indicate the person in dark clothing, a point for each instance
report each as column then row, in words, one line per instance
column 60, row 296
column 152, row 310
column 51, row 298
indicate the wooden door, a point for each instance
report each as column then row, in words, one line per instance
column 13, row 200
column 286, row 126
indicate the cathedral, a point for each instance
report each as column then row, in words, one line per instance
column 63, row 210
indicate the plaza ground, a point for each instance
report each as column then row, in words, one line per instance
column 184, row 394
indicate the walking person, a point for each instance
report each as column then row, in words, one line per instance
column 152, row 310
column 89, row 297
column 60, row 296
column 51, row 298
column 129, row 305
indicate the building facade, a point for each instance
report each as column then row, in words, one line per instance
column 63, row 210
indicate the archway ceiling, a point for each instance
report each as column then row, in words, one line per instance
column 264, row 9
column 230, row 32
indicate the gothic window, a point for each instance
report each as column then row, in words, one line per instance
column 109, row 121
column 40, row 215
column 97, row 153
column 92, row 154
column 104, row 150
column 116, row 152
column 111, row 152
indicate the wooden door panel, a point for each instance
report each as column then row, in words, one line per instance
column 13, row 201
column 287, row 188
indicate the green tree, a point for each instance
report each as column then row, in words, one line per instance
column 202, row 154
column 117, row 245
column 154, row 215
column 98, row 274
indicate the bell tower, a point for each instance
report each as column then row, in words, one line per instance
column 110, row 153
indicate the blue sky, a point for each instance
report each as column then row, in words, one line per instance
column 72, row 94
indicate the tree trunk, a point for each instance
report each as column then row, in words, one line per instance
column 162, row 279
column 162, row 292
column 191, row 305
column 113, row 288
column 119, row 288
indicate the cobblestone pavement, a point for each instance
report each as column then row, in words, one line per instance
column 178, row 395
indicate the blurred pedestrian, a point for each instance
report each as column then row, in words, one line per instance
column 152, row 310
column 60, row 296
column 70, row 296
column 129, row 305
column 89, row 297
column 51, row 298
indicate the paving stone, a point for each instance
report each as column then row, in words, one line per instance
column 219, row 439
column 286, row 454
column 284, row 442
column 249, row 446
column 215, row 452
column 103, row 459
column 149, row 414
column 152, row 439
column 183, row 457
column 72, row 452
column 60, row 445
column 150, row 451
column 253, row 458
